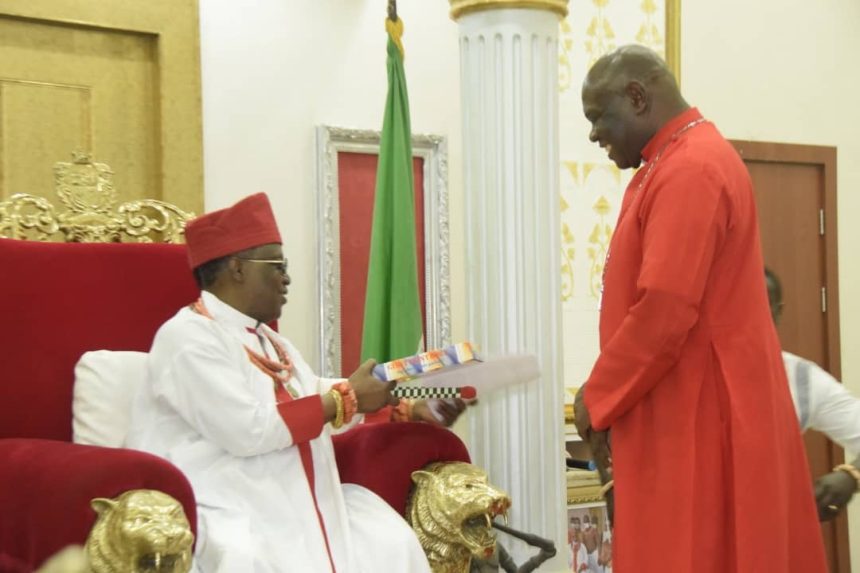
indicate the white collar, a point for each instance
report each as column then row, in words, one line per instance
column 226, row 314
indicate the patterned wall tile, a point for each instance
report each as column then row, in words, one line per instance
column 591, row 186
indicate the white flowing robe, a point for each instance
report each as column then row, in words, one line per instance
column 211, row 412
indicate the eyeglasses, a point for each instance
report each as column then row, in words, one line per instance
column 280, row 265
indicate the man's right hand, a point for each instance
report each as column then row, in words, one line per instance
column 370, row 392
column 833, row 491
column 598, row 443
column 581, row 417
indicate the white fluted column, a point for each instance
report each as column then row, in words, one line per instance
column 509, row 72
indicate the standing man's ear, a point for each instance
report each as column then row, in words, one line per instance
column 637, row 95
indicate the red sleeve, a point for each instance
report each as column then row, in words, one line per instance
column 683, row 221
column 303, row 417
column 380, row 416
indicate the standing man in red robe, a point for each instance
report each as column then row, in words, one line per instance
column 704, row 439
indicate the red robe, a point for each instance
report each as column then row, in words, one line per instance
column 705, row 441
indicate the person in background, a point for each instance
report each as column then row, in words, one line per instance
column 605, row 560
column 591, row 541
column 578, row 558
column 825, row 405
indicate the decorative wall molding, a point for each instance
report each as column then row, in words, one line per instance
column 591, row 186
column 433, row 149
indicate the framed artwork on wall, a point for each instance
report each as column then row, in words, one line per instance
column 346, row 181
column 589, row 539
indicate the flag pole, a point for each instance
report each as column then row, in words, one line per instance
column 392, row 10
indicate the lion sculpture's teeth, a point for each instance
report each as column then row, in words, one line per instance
column 495, row 513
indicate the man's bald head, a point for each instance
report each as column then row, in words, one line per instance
column 628, row 95
column 629, row 63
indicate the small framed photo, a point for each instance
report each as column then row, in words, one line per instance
column 589, row 539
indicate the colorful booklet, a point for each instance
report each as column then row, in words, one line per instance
column 459, row 366
column 403, row 369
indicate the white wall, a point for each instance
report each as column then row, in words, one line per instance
column 787, row 71
column 273, row 70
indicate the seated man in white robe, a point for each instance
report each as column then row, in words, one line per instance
column 238, row 410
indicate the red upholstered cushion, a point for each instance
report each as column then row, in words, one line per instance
column 382, row 457
column 9, row 564
column 58, row 300
column 46, row 487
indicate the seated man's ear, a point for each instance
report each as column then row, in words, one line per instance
column 235, row 270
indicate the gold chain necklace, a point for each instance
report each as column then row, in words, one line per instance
column 650, row 168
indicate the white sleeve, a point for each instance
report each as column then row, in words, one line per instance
column 834, row 410
column 206, row 385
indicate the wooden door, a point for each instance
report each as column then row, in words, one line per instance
column 795, row 188
column 117, row 80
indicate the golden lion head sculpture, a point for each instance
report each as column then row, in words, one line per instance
column 451, row 509
column 141, row 530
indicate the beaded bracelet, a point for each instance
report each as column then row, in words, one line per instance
column 346, row 396
column 850, row 470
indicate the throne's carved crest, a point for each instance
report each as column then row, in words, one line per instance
column 84, row 186
column 86, row 189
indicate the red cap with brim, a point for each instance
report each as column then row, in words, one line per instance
column 247, row 224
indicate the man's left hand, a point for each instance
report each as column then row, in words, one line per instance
column 438, row 411
column 833, row 491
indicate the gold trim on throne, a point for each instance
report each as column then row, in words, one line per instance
column 91, row 215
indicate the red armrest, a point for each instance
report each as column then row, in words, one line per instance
column 46, row 487
column 382, row 457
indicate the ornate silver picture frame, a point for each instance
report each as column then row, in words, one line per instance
column 433, row 149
